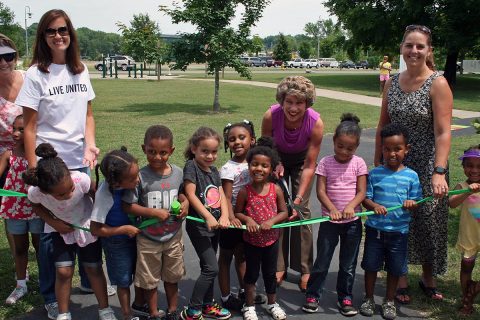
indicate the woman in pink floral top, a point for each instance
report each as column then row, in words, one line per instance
column 259, row 206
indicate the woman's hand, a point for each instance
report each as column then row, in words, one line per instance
column 278, row 172
column 439, row 186
column 90, row 156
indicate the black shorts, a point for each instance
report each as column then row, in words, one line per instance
column 230, row 238
column 64, row 254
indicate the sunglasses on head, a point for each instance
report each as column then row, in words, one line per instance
column 62, row 31
column 8, row 57
column 419, row 28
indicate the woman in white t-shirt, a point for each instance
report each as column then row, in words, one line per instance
column 56, row 99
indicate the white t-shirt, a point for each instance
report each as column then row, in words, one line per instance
column 60, row 99
column 103, row 203
column 238, row 174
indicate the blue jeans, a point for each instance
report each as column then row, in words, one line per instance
column 350, row 235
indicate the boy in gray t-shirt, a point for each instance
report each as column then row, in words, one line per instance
column 159, row 246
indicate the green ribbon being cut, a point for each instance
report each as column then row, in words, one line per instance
column 149, row 222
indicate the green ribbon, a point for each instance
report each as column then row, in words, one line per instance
column 146, row 223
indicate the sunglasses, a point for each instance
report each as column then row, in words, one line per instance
column 8, row 57
column 419, row 28
column 62, row 31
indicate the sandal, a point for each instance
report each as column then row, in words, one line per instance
column 430, row 292
column 402, row 296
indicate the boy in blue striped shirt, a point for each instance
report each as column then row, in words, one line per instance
column 386, row 238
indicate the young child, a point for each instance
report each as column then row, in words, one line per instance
column 341, row 185
column 386, row 234
column 61, row 199
column 159, row 246
column 468, row 242
column 260, row 205
column 17, row 211
column 238, row 138
column 110, row 222
column 204, row 191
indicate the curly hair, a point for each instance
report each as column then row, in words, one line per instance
column 198, row 136
column 298, row 86
column 50, row 170
column 114, row 166
column 394, row 129
column 266, row 147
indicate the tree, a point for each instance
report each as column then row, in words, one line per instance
column 381, row 24
column 304, row 50
column 282, row 51
column 313, row 29
column 257, row 44
column 216, row 42
column 95, row 43
column 142, row 39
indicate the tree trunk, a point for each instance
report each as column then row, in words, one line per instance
column 451, row 69
column 216, row 103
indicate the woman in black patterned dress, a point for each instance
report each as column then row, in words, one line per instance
column 420, row 99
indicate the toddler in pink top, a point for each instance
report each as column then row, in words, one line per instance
column 259, row 206
column 341, row 188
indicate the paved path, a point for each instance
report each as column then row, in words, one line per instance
column 83, row 306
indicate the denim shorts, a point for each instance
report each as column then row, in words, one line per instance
column 385, row 250
column 64, row 254
column 121, row 257
column 18, row 227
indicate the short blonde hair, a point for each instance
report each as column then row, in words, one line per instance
column 298, row 86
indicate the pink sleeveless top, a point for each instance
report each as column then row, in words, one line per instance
column 292, row 141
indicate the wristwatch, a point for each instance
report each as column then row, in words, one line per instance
column 439, row 170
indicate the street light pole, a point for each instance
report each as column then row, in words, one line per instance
column 27, row 15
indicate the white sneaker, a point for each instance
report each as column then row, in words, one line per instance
column 276, row 311
column 110, row 290
column 106, row 314
column 249, row 313
column 64, row 316
column 52, row 310
column 16, row 294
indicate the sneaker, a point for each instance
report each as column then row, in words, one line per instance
column 367, row 308
column 172, row 316
column 110, row 290
column 106, row 314
column 144, row 311
column 16, row 294
column 388, row 310
column 64, row 316
column 52, row 310
column 346, row 308
column 233, row 303
column 191, row 314
column 276, row 311
column 311, row 305
column 215, row 311
column 249, row 313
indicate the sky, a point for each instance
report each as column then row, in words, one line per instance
column 285, row 16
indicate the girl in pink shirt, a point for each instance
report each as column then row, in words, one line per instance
column 341, row 188
column 259, row 206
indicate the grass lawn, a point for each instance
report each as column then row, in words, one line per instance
column 124, row 109
column 466, row 94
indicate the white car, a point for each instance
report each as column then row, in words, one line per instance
column 310, row 63
column 297, row 63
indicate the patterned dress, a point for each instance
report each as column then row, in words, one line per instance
column 428, row 228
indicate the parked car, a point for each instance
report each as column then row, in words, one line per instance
column 310, row 63
column 327, row 62
column 123, row 62
column 257, row 62
column 362, row 64
column 274, row 63
column 297, row 63
column 347, row 64
column 334, row 64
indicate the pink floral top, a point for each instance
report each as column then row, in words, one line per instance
column 8, row 112
column 261, row 208
column 18, row 208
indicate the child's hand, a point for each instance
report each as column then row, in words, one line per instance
column 61, row 227
column 380, row 210
column 410, row 204
column 161, row 214
column 184, row 207
column 236, row 223
column 266, row 225
column 212, row 223
column 335, row 215
column 252, row 226
column 348, row 212
column 474, row 187
column 130, row 231
column 223, row 222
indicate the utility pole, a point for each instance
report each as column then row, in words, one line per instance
column 29, row 16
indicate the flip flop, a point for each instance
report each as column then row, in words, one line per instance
column 430, row 292
column 402, row 292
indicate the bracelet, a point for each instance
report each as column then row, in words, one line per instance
column 299, row 197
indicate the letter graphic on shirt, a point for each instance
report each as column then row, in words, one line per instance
column 161, row 199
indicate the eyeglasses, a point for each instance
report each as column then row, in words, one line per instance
column 62, row 31
column 8, row 57
column 419, row 28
